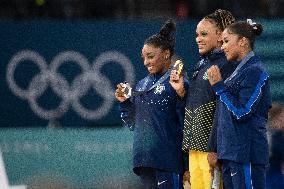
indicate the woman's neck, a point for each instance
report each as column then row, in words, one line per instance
column 164, row 70
column 243, row 54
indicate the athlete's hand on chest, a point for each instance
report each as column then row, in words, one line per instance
column 214, row 75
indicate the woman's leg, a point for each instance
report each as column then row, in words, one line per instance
column 159, row 179
column 168, row 180
column 258, row 176
column 148, row 177
column 200, row 177
column 233, row 175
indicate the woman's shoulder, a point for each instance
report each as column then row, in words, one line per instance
column 255, row 64
column 255, row 72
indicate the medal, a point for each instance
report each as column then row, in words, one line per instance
column 178, row 66
column 127, row 90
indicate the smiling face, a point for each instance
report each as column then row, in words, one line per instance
column 232, row 46
column 155, row 60
column 208, row 36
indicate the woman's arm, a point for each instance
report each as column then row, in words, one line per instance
column 241, row 105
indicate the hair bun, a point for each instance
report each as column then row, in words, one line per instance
column 165, row 38
column 168, row 28
column 257, row 29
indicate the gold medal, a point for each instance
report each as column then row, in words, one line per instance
column 178, row 66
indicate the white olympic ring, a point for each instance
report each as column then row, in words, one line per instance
column 69, row 93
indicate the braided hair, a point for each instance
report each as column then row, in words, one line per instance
column 247, row 30
column 165, row 38
column 222, row 18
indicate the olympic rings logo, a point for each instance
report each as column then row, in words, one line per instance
column 70, row 93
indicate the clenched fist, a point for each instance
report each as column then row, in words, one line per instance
column 119, row 93
column 214, row 75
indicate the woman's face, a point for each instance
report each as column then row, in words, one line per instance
column 208, row 36
column 155, row 60
column 231, row 46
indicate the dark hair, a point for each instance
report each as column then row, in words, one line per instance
column 222, row 18
column 247, row 30
column 165, row 39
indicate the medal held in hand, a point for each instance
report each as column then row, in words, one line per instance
column 127, row 90
column 178, row 66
